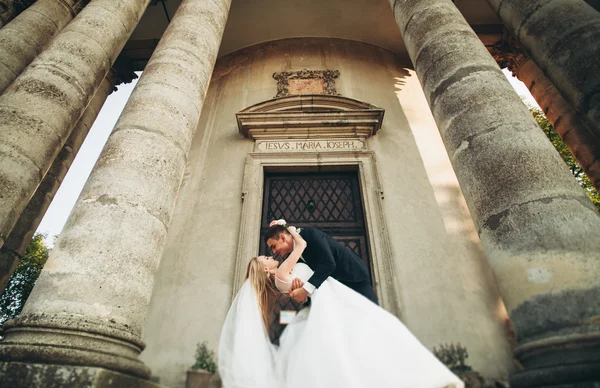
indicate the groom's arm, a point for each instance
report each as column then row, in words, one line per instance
column 324, row 265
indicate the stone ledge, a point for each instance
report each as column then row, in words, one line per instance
column 26, row 375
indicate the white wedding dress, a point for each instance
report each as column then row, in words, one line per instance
column 341, row 340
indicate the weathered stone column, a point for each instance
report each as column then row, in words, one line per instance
column 20, row 237
column 96, row 287
column 27, row 35
column 583, row 143
column 561, row 36
column 39, row 110
column 540, row 232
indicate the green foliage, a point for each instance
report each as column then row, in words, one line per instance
column 22, row 281
column 454, row 356
column 574, row 167
column 205, row 359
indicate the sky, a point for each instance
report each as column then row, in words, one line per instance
column 56, row 216
column 66, row 196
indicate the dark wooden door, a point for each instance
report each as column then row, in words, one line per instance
column 330, row 202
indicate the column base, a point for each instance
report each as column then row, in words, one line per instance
column 560, row 376
column 568, row 362
column 72, row 340
column 28, row 375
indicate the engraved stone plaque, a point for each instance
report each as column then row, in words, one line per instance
column 306, row 86
column 306, row 82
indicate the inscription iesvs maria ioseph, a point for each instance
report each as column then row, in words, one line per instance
column 309, row 145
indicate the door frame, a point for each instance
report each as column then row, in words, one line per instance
column 363, row 161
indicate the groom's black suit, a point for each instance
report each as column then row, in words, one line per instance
column 327, row 257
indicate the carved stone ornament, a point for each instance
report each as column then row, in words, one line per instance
column 74, row 5
column 9, row 9
column 509, row 54
column 123, row 71
column 306, row 82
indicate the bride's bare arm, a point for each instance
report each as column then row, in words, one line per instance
column 283, row 272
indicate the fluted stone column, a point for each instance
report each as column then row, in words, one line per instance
column 562, row 37
column 98, row 280
column 29, row 33
column 20, row 237
column 39, row 110
column 540, row 232
column 583, row 143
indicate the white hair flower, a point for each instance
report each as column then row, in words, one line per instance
column 279, row 222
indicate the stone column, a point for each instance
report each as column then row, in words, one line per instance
column 561, row 37
column 20, row 237
column 540, row 232
column 39, row 110
column 583, row 143
column 97, row 284
column 29, row 33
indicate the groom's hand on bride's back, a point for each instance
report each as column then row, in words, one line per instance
column 298, row 293
column 297, row 283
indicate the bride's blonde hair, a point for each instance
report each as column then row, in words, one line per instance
column 263, row 285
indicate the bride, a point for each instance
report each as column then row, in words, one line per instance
column 342, row 339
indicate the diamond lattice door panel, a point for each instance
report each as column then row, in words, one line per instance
column 330, row 202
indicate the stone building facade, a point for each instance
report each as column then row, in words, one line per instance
column 389, row 124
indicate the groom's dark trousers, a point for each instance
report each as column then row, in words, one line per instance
column 327, row 257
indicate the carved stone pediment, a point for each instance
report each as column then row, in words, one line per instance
column 306, row 82
column 315, row 116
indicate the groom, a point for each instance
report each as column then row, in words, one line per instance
column 326, row 257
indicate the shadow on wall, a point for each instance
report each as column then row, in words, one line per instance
column 399, row 81
column 457, row 222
